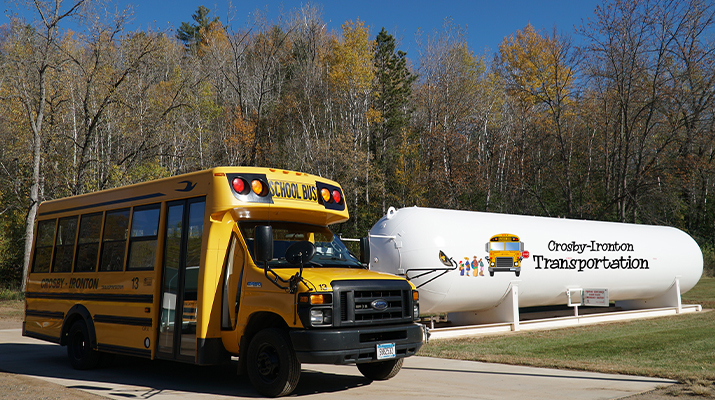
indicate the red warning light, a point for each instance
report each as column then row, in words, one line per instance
column 336, row 196
column 239, row 185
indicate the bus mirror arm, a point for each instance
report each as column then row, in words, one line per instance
column 295, row 280
column 276, row 277
column 446, row 261
column 292, row 282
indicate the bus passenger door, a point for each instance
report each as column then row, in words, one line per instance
column 233, row 273
column 180, row 277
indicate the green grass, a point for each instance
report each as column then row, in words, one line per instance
column 679, row 347
column 703, row 293
column 11, row 294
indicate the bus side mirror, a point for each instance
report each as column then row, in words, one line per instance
column 263, row 243
column 299, row 253
column 365, row 250
column 444, row 259
column 486, row 247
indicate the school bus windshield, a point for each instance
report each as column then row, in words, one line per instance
column 329, row 249
column 504, row 246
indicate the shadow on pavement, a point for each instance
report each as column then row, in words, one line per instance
column 154, row 377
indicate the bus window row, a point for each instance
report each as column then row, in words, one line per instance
column 98, row 241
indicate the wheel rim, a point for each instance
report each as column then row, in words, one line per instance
column 268, row 363
column 78, row 344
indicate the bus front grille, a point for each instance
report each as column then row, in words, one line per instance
column 373, row 302
column 505, row 262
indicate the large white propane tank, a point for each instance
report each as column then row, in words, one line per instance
column 544, row 257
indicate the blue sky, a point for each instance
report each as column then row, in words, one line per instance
column 487, row 22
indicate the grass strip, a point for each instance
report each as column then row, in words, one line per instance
column 678, row 347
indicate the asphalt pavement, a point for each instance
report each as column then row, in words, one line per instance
column 421, row 377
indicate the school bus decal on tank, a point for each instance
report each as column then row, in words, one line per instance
column 506, row 252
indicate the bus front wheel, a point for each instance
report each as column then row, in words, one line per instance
column 79, row 349
column 382, row 370
column 272, row 365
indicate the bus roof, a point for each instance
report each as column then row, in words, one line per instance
column 284, row 195
column 504, row 237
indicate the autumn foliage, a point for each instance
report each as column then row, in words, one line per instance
column 613, row 121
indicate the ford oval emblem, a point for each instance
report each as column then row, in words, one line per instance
column 379, row 305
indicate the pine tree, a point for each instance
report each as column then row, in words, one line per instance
column 190, row 34
column 393, row 92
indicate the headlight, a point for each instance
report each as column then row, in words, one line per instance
column 416, row 311
column 321, row 316
column 516, row 263
column 492, row 264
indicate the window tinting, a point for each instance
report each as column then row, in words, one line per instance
column 195, row 233
column 511, row 246
column 90, row 226
column 329, row 249
column 142, row 242
column 115, row 240
column 43, row 246
column 496, row 246
column 64, row 244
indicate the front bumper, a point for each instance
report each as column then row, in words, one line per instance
column 354, row 345
column 504, row 269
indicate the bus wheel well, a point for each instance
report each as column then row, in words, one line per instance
column 256, row 323
column 76, row 313
column 263, row 320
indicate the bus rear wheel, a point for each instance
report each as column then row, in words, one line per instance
column 79, row 349
column 272, row 365
column 382, row 370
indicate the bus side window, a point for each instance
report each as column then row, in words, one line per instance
column 90, row 226
column 143, row 238
column 43, row 245
column 64, row 244
column 115, row 240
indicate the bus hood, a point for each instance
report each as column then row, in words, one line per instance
column 315, row 277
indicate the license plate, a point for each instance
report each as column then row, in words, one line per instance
column 385, row 350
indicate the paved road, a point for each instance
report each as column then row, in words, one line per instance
column 421, row 377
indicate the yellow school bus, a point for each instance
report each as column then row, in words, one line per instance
column 505, row 253
column 232, row 261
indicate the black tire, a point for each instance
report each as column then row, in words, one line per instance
column 272, row 365
column 517, row 273
column 79, row 349
column 381, row 370
column 491, row 273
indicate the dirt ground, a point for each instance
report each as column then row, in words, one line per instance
column 20, row 387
